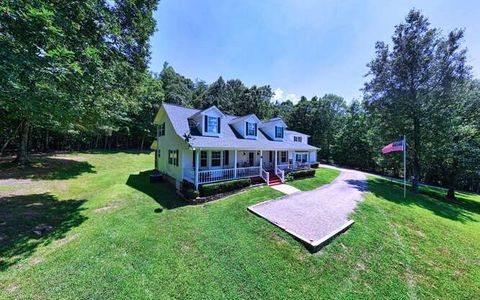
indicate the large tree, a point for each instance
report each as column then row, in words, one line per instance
column 405, row 78
column 69, row 62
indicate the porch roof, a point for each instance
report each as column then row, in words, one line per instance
column 229, row 139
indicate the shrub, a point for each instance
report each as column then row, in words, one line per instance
column 188, row 190
column 190, row 194
column 303, row 173
column 288, row 177
column 314, row 165
column 210, row 189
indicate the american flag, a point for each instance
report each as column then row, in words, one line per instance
column 393, row 147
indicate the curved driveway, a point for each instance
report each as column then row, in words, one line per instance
column 318, row 215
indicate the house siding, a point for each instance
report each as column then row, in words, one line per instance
column 171, row 141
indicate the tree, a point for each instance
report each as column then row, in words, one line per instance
column 178, row 89
column 68, row 62
column 403, row 79
column 351, row 146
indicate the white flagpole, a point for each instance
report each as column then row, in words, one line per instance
column 404, row 167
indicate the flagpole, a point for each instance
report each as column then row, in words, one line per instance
column 404, row 167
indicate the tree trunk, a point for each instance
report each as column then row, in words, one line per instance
column 451, row 193
column 416, row 155
column 22, row 151
column 106, row 142
column 96, row 141
column 46, row 141
column 143, row 140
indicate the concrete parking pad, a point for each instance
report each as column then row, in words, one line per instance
column 315, row 217
column 285, row 188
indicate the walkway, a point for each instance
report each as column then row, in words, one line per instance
column 316, row 216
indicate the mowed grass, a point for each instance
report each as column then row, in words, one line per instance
column 322, row 176
column 117, row 236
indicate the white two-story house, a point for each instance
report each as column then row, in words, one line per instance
column 203, row 146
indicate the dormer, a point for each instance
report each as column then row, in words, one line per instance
column 297, row 137
column 209, row 121
column 274, row 128
column 246, row 126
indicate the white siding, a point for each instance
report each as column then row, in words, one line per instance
column 171, row 141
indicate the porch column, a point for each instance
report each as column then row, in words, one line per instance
column 235, row 163
column 158, row 149
column 275, row 163
column 197, row 163
column 261, row 162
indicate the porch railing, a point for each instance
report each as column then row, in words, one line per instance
column 280, row 173
column 266, row 176
column 207, row 176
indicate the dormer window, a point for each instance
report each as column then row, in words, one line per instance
column 297, row 138
column 278, row 132
column 212, row 124
column 251, row 129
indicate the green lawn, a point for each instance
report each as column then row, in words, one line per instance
column 322, row 176
column 116, row 236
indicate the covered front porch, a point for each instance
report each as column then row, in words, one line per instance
column 212, row 165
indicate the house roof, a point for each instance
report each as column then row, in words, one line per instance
column 179, row 116
column 295, row 132
column 239, row 119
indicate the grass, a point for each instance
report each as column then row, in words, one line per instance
column 117, row 236
column 322, row 176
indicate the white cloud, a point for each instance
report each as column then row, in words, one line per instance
column 280, row 95
column 292, row 97
column 277, row 94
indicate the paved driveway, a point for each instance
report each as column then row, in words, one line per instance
column 318, row 215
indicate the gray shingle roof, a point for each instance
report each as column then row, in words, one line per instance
column 229, row 140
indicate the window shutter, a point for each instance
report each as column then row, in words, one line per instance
column 218, row 125
column 246, row 128
column 255, row 125
column 205, row 129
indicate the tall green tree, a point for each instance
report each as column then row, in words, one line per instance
column 403, row 80
column 69, row 62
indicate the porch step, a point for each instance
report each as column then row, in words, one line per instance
column 274, row 180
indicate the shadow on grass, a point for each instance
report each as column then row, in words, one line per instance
column 28, row 221
column 392, row 191
column 162, row 192
column 46, row 168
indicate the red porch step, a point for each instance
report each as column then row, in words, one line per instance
column 274, row 179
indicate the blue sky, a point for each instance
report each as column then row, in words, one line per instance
column 302, row 47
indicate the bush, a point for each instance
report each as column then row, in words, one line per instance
column 210, row 189
column 315, row 165
column 188, row 190
column 190, row 194
column 303, row 173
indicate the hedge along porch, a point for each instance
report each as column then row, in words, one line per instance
column 213, row 165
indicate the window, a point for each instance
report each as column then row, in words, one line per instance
column 301, row 157
column 226, row 157
column 212, row 124
column 161, row 129
column 158, row 153
column 283, row 156
column 251, row 129
column 216, row 158
column 173, row 157
column 203, row 158
column 278, row 132
column 297, row 139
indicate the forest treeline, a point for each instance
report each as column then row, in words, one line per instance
column 74, row 76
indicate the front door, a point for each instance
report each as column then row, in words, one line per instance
column 251, row 157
